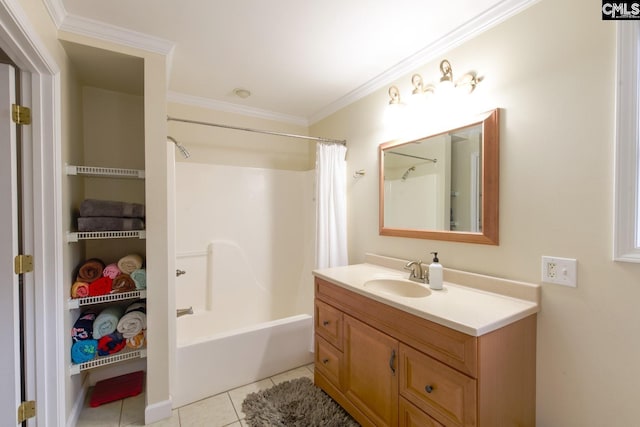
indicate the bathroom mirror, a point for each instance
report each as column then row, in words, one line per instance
column 443, row 186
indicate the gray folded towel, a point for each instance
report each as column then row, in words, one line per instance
column 98, row 223
column 104, row 208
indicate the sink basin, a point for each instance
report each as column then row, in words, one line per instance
column 398, row 287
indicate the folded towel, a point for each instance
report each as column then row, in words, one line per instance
column 102, row 286
column 107, row 321
column 129, row 263
column 83, row 326
column 139, row 276
column 123, row 283
column 140, row 306
column 100, row 223
column 111, row 271
column 138, row 341
column 134, row 320
column 94, row 207
column 83, row 351
column 79, row 290
column 111, row 344
column 90, row 270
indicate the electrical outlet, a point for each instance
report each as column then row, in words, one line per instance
column 561, row 271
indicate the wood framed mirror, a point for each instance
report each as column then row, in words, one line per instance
column 443, row 186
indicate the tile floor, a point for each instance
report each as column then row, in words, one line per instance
column 221, row 410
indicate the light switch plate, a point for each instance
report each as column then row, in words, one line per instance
column 561, row 271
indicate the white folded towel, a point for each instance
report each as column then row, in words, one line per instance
column 128, row 264
column 133, row 321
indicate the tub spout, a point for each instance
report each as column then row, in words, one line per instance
column 184, row 311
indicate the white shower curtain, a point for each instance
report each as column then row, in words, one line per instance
column 331, row 205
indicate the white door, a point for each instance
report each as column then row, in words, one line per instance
column 10, row 354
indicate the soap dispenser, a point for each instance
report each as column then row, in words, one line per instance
column 435, row 273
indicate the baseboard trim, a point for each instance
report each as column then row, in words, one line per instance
column 157, row 411
column 78, row 404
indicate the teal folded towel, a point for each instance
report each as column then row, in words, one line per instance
column 83, row 351
column 139, row 277
column 107, row 321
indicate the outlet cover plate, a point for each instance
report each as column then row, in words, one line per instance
column 560, row 271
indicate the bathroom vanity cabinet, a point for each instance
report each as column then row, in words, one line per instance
column 388, row 367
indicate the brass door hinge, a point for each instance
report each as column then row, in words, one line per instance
column 21, row 115
column 23, row 264
column 26, row 410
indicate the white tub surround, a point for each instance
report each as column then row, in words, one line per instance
column 245, row 240
column 469, row 303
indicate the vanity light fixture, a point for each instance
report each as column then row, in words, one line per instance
column 419, row 87
column 467, row 83
column 447, row 72
column 394, row 95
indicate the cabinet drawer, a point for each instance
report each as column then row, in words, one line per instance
column 328, row 323
column 444, row 393
column 410, row 416
column 328, row 361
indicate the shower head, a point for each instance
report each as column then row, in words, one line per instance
column 406, row 173
column 185, row 153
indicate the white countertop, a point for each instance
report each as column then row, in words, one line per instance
column 470, row 309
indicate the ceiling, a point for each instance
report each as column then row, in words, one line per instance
column 300, row 59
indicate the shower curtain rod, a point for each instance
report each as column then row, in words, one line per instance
column 268, row 132
column 415, row 157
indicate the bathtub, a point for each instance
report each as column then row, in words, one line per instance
column 243, row 329
column 210, row 364
column 248, row 276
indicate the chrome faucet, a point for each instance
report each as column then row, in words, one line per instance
column 184, row 311
column 416, row 273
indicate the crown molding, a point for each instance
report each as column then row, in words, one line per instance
column 56, row 11
column 497, row 14
column 228, row 107
column 111, row 33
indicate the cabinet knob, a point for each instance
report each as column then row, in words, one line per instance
column 325, row 361
column 325, row 322
column 428, row 388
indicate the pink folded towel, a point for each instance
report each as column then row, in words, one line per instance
column 111, row 271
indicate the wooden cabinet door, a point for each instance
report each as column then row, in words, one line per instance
column 371, row 371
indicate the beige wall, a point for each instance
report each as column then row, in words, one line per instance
column 551, row 69
column 113, row 136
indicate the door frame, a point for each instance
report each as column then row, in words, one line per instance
column 43, row 226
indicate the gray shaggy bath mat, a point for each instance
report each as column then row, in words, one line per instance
column 295, row 403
